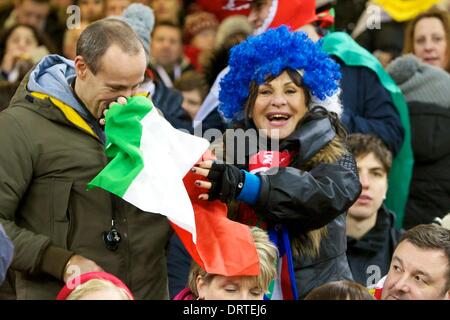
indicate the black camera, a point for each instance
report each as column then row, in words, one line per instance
column 112, row 239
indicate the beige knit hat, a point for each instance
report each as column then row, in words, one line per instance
column 197, row 22
column 232, row 25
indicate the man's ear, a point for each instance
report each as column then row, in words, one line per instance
column 81, row 67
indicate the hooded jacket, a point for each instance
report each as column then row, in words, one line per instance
column 51, row 150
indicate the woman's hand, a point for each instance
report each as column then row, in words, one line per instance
column 203, row 169
column 225, row 181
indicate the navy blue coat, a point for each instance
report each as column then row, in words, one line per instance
column 368, row 107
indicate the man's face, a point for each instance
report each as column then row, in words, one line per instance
column 91, row 10
column 259, row 13
column 416, row 274
column 32, row 13
column 373, row 178
column 115, row 7
column 166, row 45
column 166, row 10
column 119, row 75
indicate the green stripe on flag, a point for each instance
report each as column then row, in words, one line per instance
column 123, row 131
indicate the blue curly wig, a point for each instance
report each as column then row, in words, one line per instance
column 269, row 54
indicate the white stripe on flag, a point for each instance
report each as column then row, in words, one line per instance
column 168, row 155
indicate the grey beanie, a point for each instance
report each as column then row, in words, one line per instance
column 142, row 20
column 419, row 81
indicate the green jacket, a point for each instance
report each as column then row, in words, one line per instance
column 48, row 156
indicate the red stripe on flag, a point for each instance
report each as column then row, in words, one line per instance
column 223, row 246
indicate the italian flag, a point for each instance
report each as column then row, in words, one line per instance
column 149, row 159
column 149, row 167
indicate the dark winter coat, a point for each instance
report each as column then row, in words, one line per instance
column 429, row 195
column 49, row 155
column 311, row 197
column 370, row 256
column 368, row 107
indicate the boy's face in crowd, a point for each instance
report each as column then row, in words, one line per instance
column 259, row 13
column 374, row 183
column 192, row 101
column 32, row 13
column 119, row 75
column 416, row 274
column 166, row 45
column 430, row 42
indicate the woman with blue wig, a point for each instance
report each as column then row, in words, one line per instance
column 301, row 182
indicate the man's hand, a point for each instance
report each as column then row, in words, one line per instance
column 77, row 265
column 120, row 100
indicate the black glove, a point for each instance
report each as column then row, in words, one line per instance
column 227, row 182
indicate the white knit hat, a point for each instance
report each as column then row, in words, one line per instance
column 420, row 82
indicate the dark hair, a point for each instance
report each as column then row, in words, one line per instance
column 253, row 92
column 360, row 145
column 37, row 1
column 192, row 80
column 257, row 3
column 431, row 237
column 41, row 39
column 340, row 290
column 441, row 15
column 102, row 34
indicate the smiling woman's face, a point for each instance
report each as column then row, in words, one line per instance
column 430, row 42
column 279, row 106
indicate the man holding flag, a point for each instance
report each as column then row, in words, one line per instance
column 53, row 146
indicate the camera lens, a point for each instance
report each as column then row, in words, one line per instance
column 112, row 239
